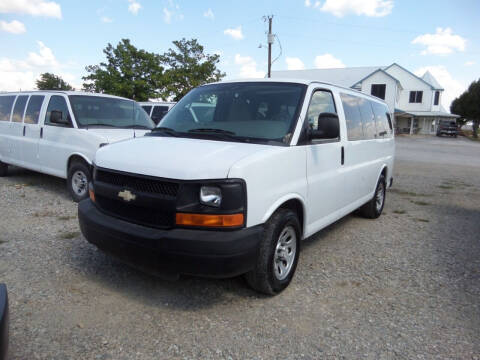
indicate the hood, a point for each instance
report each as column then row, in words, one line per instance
column 175, row 158
column 114, row 135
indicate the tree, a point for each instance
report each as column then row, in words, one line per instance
column 188, row 67
column 467, row 105
column 49, row 81
column 129, row 72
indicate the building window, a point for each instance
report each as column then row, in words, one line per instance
column 378, row 90
column 437, row 98
column 416, row 96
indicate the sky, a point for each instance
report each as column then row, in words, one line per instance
column 442, row 36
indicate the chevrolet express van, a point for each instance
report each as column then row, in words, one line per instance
column 233, row 190
column 156, row 110
column 58, row 132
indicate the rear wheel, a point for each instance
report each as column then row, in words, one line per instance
column 78, row 179
column 278, row 254
column 373, row 209
column 3, row 169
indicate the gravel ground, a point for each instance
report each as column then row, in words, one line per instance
column 404, row 286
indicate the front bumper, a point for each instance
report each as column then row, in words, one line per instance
column 3, row 322
column 169, row 253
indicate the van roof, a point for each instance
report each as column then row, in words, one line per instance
column 300, row 81
column 82, row 93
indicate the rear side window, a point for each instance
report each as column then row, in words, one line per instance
column 57, row 103
column 158, row 113
column 366, row 112
column 353, row 117
column 19, row 108
column 33, row 109
column 381, row 119
column 6, row 103
column 147, row 109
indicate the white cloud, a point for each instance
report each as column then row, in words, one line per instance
column 453, row 88
column 308, row 3
column 235, row 33
column 294, row 63
column 441, row 43
column 248, row 67
column 21, row 74
column 167, row 15
column 106, row 19
column 209, row 14
column 328, row 61
column 14, row 27
column 340, row 8
column 31, row 7
column 469, row 63
column 134, row 6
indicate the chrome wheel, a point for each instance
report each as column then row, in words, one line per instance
column 285, row 252
column 79, row 183
column 380, row 196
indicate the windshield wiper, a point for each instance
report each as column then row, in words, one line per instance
column 162, row 130
column 215, row 131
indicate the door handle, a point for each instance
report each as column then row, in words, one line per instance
column 24, row 127
column 41, row 133
column 343, row 156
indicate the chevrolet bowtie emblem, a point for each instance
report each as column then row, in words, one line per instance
column 127, row 195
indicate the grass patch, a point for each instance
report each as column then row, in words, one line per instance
column 421, row 203
column 3, row 241
column 407, row 193
column 445, row 187
column 422, row 220
column 400, row 212
column 69, row 235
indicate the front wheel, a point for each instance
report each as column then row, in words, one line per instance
column 278, row 254
column 373, row 209
column 78, row 179
column 3, row 169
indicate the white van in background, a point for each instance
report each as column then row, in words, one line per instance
column 58, row 132
column 156, row 110
column 236, row 175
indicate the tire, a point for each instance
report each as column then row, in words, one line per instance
column 3, row 169
column 373, row 209
column 77, row 180
column 282, row 227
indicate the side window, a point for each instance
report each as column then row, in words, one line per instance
column 353, row 116
column 33, row 109
column 437, row 98
column 57, row 103
column 6, row 103
column 368, row 119
column 19, row 108
column 321, row 102
column 381, row 119
column 147, row 109
column 158, row 113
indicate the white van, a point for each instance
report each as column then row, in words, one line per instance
column 58, row 132
column 234, row 191
column 156, row 110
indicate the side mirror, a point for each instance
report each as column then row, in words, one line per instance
column 56, row 117
column 328, row 127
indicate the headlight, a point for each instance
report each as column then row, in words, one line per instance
column 211, row 196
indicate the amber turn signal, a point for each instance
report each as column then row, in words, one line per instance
column 91, row 194
column 188, row 219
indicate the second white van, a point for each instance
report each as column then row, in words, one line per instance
column 236, row 175
column 58, row 133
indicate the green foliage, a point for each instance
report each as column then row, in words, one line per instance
column 188, row 67
column 128, row 72
column 49, row 81
column 467, row 105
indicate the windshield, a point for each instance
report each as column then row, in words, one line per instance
column 109, row 112
column 251, row 111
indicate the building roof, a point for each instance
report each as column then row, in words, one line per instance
column 346, row 77
column 426, row 113
column 431, row 80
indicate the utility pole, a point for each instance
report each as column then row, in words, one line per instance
column 270, row 42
